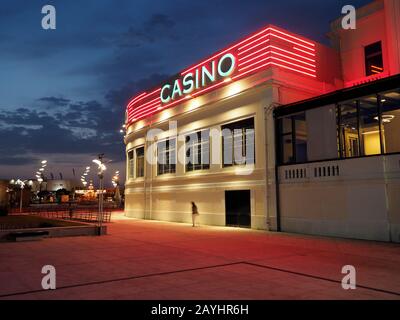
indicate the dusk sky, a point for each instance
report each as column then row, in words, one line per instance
column 63, row 92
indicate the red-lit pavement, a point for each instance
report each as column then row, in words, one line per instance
column 158, row 260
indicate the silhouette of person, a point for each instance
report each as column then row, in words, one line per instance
column 195, row 213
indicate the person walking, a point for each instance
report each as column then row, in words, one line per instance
column 195, row 213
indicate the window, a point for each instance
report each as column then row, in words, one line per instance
column 390, row 121
column 348, row 130
column 373, row 58
column 300, row 127
column 166, row 156
column 198, row 150
column 285, row 140
column 140, row 162
column 293, row 139
column 130, row 165
column 238, row 143
column 369, row 126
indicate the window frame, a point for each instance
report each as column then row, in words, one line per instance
column 170, row 165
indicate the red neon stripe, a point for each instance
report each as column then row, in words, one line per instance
column 294, row 64
column 298, row 44
column 311, row 54
column 205, row 61
column 136, row 99
column 255, row 46
column 145, row 109
column 287, row 57
column 226, row 50
column 253, row 64
column 147, row 95
column 271, row 63
column 291, row 36
column 252, row 59
column 143, row 114
column 250, row 43
column 149, row 102
column 292, row 53
column 252, row 54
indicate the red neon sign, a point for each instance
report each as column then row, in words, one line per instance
column 266, row 48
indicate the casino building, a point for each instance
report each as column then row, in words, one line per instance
column 277, row 132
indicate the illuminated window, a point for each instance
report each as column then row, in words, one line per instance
column 293, row 139
column 369, row 126
column 285, row 140
column 349, row 137
column 198, row 150
column 131, row 165
column 390, row 121
column 373, row 58
column 166, row 156
column 140, row 162
column 238, row 143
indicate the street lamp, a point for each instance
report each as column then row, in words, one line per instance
column 101, row 168
column 21, row 185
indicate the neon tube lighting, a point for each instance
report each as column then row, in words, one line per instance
column 144, row 114
column 298, row 44
column 255, row 46
column 226, row 50
column 293, row 64
column 253, row 64
column 311, row 54
column 292, row 53
column 274, row 52
column 148, row 95
column 294, row 59
column 150, row 102
column 251, row 54
column 139, row 109
column 289, row 35
column 136, row 99
column 250, row 43
column 252, row 59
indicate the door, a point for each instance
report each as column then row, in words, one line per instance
column 238, row 208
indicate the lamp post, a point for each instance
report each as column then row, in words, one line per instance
column 21, row 185
column 100, row 173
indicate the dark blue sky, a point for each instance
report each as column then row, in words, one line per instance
column 63, row 92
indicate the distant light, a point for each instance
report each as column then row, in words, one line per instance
column 44, row 161
column 87, row 168
column 41, row 169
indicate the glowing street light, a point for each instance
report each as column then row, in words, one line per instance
column 101, row 168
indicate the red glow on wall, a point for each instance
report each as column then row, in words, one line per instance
column 270, row 47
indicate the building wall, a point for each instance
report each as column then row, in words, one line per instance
column 377, row 21
column 168, row 197
column 361, row 202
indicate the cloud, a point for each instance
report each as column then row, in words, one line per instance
column 157, row 27
column 54, row 101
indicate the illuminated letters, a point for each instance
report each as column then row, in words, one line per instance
column 205, row 73
column 168, row 98
column 199, row 77
column 231, row 68
column 188, row 81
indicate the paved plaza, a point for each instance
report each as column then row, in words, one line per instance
column 158, row 260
